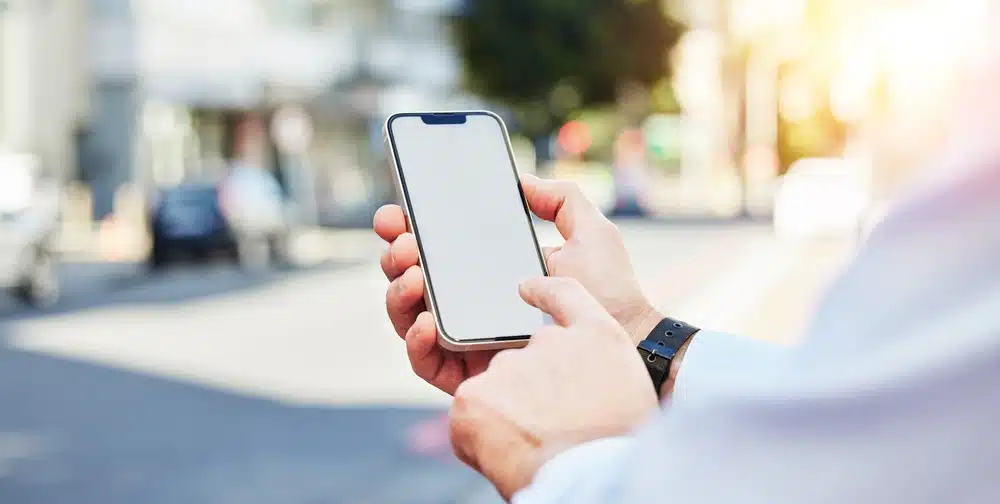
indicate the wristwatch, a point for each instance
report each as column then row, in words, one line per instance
column 660, row 347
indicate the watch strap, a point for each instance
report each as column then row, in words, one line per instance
column 660, row 347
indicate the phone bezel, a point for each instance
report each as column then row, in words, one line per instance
column 457, row 117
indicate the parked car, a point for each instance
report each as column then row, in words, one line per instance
column 242, row 218
column 29, row 219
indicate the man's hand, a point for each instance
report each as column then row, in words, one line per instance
column 404, row 300
column 593, row 254
column 574, row 382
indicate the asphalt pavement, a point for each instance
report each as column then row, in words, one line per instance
column 204, row 384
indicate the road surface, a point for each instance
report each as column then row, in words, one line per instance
column 205, row 385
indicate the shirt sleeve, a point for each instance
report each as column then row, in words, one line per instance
column 590, row 471
column 586, row 471
column 890, row 397
column 712, row 353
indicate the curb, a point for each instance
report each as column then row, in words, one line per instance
column 119, row 244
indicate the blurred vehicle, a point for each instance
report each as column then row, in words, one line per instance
column 244, row 217
column 188, row 219
column 29, row 220
column 820, row 198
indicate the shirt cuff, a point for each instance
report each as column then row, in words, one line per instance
column 583, row 469
column 712, row 356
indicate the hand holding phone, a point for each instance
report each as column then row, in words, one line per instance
column 594, row 254
column 459, row 187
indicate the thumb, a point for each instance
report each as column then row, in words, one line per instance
column 561, row 202
column 563, row 298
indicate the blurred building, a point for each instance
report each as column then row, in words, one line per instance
column 183, row 88
column 869, row 81
column 43, row 84
column 708, row 88
column 405, row 61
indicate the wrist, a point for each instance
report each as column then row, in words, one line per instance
column 639, row 321
column 516, row 463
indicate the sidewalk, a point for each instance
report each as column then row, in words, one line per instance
column 81, row 280
column 310, row 245
column 313, row 245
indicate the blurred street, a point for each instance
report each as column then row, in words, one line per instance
column 205, row 384
column 191, row 305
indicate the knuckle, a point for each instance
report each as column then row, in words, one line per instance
column 386, row 260
column 401, row 252
column 564, row 285
column 405, row 239
column 421, row 371
column 571, row 189
column 412, row 272
column 567, row 188
column 394, row 250
column 392, row 294
column 462, row 429
column 395, row 296
column 464, row 393
column 416, row 368
column 608, row 228
column 413, row 278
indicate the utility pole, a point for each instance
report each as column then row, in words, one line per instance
column 734, row 85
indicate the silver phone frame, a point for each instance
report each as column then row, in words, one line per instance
column 403, row 197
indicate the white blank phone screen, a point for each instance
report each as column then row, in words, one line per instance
column 476, row 237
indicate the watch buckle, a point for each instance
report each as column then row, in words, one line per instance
column 657, row 349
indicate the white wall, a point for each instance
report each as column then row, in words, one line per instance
column 45, row 81
column 222, row 53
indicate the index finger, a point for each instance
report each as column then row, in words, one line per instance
column 564, row 299
column 389, row 222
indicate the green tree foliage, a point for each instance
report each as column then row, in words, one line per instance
column 548, row 58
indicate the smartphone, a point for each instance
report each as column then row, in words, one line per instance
column 458, row 184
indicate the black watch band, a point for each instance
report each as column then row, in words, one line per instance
column 660, row 347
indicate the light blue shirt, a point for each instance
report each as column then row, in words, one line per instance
column 893, row 396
